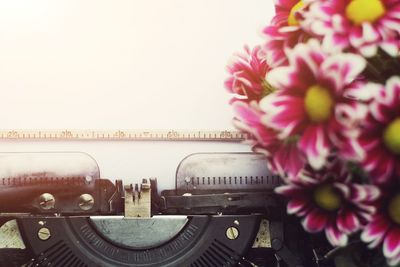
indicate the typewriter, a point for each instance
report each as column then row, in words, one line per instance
column 56, row 210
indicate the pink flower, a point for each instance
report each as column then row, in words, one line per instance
column 363, row 25
column 247, row 74
column 283, row 156
column 380, row 136
column 284, row 31
column 310, row 100
column 384, row 227
column 328, row 201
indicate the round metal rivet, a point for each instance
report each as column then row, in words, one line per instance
column 88, row 178
column 86, row 202
column 47, row 201
column 232, row 233
column 44, row 233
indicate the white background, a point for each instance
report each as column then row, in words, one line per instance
column 106, row 64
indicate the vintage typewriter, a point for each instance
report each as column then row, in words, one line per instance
column 56, row 210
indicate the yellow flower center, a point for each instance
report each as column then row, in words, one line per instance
column 318, row 103
column 359, row 11
column 292, row 21
column 327, row 198
column 394, row 209
column 391, row 136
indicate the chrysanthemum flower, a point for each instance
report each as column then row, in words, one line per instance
column 309, row 101
column 363, row 25
column 384, row 227
column 380, row 136
column 283, row 156
column 328, row 201
column 283, row 32
column 248, row 72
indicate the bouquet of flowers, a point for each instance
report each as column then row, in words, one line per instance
column 321, row 99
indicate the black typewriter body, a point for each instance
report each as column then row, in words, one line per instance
column 222, row 212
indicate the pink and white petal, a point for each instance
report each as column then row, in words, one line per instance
column 379, row 165
column 391, row 24
column 348, row 222
column 391, row 244
column 288, row 29
column 343, row 188
column 297, row 206
column 393, row 261
column 378, row 111
column 290, row 190
column 249, row 121
column 317, row 27
column 308, row 56
column 348, row 66
column 364, row 192
column 276, row 58
column 366, row 215
column 338, row 24
column 375, row 231
column 284, row 113
column 393, row 84
column 260, row 137
column 305, row 177
column 289, row 160
column 355, row 37
column 358, row 192
column 285, row 4
column 369, row 33
column 335, row 43
column 388, row 96
column 391, row 47
column 350, row 149
column 262, row 150
column 245, row 113
column 278, row 77
column 368, row 50
column 315, row 221
column 316, row 145
column 335, row 236
column 369, row 143
column 366, row 210
column 363, row 91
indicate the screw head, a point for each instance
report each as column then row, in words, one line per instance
column 44, row 233
column 86, row 202
column 47, row 201
column 232, row 233
column 88, row 179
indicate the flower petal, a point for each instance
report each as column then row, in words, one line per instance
column 348, row 222
column 364, row 192
column 343, row 68
column 335, row 236
column 315, row 144
column 391, row 244
column 315, row 221
column 297, row 206
column 375, row 231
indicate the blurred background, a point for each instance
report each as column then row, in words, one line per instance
column 141, row 64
